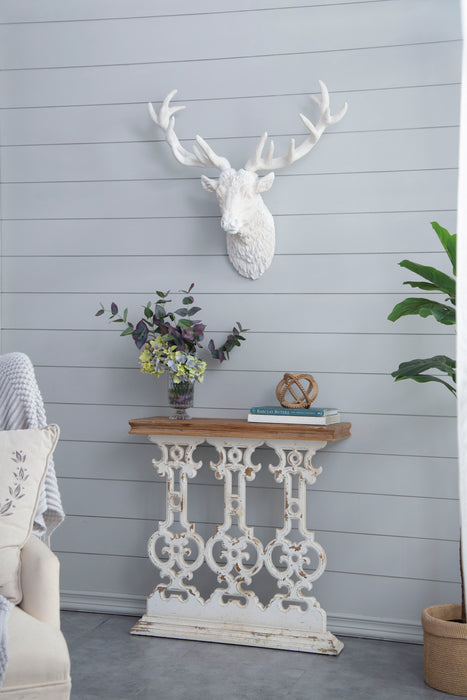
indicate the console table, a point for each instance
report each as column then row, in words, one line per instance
column 292, row 619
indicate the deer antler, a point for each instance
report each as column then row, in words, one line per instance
column 203, row 156
column 258, row 162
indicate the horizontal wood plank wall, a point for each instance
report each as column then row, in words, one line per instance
column 95, row 208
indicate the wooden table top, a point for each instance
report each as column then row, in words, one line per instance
column 238, row 427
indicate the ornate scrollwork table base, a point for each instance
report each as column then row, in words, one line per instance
column 292, row 618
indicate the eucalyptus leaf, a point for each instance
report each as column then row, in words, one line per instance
column 194, row 310
column 183, row 334
column 140, row 334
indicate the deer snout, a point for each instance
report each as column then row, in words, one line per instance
column 231, row 224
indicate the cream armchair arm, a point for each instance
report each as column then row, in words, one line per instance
column 38, row 661
column 40, row 582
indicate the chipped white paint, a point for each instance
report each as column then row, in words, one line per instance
column 292, row 618
column 245, row 218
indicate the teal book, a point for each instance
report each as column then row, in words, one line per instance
column 281, row 411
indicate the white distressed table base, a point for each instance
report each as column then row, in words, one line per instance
column 292, row 619
column 228, row 633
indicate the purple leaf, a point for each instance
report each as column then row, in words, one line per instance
column 199, row 328
column 140, row 334
column 194, row 310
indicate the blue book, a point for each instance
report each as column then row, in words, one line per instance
column 281, row 411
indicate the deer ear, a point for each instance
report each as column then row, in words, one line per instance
column 208, row 184
column 265, row 183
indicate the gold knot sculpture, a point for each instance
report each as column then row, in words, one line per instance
column 292, row 384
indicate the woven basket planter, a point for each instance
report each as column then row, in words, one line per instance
column 445, row 649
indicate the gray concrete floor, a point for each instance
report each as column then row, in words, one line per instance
column 110, row 664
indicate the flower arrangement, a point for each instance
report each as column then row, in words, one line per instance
column 158, row 356
column 170, row 343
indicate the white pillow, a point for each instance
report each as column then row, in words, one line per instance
column 24, row 457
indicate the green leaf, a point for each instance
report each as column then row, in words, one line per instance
column 448, row 242
column 423, row 307
column 100, row 312
column 148, row 312
column 125, row 314
column 161, row 294
column 438, row 362
column 185, row 323
column 424, row 378
column 427, row 286
column 194, row 310
column 414, row 370
column 444, row 283
column 127, row 331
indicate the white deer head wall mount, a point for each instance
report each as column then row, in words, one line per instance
column 246, row 220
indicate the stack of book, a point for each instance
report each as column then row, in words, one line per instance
column 304, row 416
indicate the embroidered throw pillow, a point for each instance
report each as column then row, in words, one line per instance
column 24, row 457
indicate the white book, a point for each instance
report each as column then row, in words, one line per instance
column 297, row 420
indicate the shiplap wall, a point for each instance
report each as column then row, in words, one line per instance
column 95, row 208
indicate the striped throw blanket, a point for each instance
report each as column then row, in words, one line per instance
column 21, row 406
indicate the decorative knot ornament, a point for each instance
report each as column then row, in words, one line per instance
column 292, row 384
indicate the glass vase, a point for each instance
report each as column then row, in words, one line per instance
column 181, row 397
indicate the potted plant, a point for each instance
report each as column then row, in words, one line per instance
column 444, row 626
column 171, row 344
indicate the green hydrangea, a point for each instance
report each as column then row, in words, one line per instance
column 159, row 355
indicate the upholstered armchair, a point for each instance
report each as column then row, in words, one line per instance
column 34, row 660
column 38, row 660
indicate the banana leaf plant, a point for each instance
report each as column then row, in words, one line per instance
column 433, row 280
column 444, row 311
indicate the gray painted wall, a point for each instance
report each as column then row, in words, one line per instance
column 95, row 208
